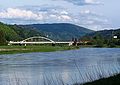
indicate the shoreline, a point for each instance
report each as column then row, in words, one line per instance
column 33, row 48
column 15, row 49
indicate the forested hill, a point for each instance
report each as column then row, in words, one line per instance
column 104, row 38
column 6, row 33
column 106, row 34
column 15, row 33
column 60, row 31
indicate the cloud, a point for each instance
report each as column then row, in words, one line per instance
column 35, row 15
column 53, row 14
column 15, row 13
column 64, row 12
column 83, row 2
column 64, row 17
column 85, row 11
column 92, row 2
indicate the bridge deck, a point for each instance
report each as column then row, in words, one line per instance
column 39, row 42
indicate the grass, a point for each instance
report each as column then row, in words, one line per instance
column 101, row 76
column 33, row 48
column 58, row 80
column 114, row 80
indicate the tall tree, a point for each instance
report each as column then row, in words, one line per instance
column 2, row 38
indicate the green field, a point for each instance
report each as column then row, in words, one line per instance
column 33, row 48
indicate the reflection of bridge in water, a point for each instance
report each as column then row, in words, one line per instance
column 38, row 40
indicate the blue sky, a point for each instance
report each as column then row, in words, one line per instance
column 93, row 14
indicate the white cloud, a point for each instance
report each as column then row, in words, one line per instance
column 15, row 13
column 94, row 2
column 64, row 12
column 90, row 1
column 84, row 17
column 64, row 17
column 53, row 16
column 85, row 11
column 90, row 22
column 82, row 2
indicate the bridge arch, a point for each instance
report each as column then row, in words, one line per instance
column 38, row 41
column 39, row 37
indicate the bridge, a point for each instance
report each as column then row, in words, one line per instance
column 38, row 40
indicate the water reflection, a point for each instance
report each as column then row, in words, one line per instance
column 56, row 68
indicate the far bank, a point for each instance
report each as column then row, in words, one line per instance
column 14, row 49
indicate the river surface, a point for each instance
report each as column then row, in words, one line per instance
column 56, row 68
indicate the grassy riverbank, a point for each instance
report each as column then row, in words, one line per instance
column 114, row 80
column 33, row 48
column 13, row 49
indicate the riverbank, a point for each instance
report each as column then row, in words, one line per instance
column 14, row 49
column 114, row 80
column 33, row 48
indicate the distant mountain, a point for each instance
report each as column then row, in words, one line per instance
column 59, row 31
column 106, row 34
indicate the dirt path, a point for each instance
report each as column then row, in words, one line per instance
column 13, row 49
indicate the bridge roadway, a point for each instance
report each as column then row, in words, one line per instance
column 21, row 42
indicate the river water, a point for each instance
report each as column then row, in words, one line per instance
column 59, row 68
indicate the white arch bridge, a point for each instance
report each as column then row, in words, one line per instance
column 38, row 40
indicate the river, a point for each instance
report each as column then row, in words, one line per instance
column 59, row 68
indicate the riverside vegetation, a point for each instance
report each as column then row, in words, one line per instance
column 113, row 80
column 104, row 38
column 33, row 48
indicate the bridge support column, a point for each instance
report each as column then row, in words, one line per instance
column 70, row 44
column 53, row 44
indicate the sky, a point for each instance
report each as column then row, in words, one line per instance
column 92, row 14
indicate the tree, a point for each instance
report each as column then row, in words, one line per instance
column 98, row 40
column 2, row 38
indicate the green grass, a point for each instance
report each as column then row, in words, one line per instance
column 33, row 48
column 114, row 80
